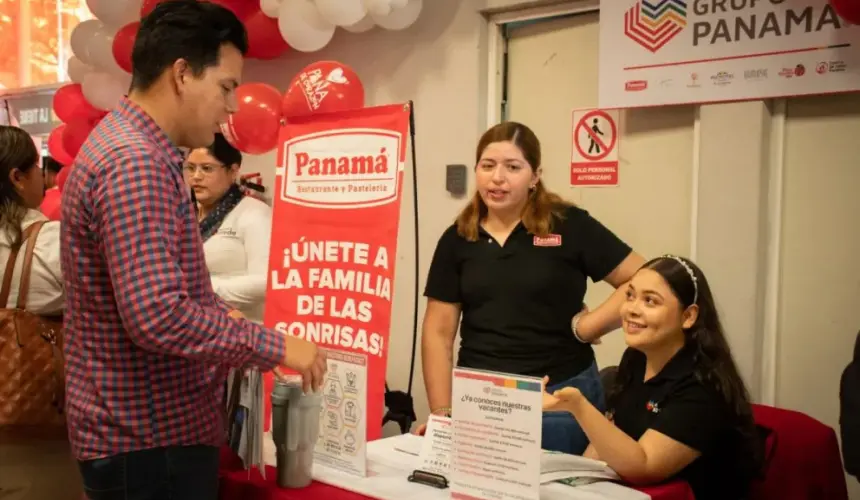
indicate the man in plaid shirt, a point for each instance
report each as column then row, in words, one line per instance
column 148, row 343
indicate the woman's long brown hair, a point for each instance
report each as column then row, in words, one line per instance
column 542, row 207
column 17, row 151
column 714, row 365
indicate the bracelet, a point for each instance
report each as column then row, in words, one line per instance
column 446, row 412
column 573, row 328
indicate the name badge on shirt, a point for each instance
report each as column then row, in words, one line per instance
column 552, row 240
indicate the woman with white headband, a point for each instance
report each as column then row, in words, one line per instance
column 678, row 406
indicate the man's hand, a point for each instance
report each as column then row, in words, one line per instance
column 306, row 358
column 236, row 314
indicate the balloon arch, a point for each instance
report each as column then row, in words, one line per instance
column 100, row 70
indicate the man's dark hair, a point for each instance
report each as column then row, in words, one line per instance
column 183, row 29
column 224, row 152
column 49, row 164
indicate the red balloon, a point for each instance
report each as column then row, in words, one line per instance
column 123, row 42
column 71, row 105
column 255, row 126
column 242, row 8
column 56, row 148
column 264, row 37
column 76, row 134
column 323, row 87
column 848, row 10
column 50, row 206
column 61, row 178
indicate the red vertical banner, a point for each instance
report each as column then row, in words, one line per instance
column 336, row 213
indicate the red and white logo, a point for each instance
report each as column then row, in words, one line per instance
column 316, row 85
column 636, row 85
column 346, row 169
column 551, row 240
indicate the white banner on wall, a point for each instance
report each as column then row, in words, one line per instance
column 657, row 52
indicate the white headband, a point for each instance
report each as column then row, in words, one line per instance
column 689, row 269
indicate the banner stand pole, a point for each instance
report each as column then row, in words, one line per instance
column 401, row 406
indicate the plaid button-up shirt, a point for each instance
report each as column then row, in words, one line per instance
column 147, row 342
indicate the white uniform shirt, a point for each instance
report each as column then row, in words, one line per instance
column 237, row 256
column 46, row 295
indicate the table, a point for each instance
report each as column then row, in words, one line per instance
column 239, row 484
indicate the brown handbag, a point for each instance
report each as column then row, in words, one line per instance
column 31, row 357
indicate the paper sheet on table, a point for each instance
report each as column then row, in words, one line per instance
column 555, row 466
column 245, row 401
column 389, row 468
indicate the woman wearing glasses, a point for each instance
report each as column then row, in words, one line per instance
column 236, row 229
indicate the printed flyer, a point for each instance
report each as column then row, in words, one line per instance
column 497, row 421
column 343, row 423
column 436, row 448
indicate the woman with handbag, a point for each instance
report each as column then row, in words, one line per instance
column 35, row 458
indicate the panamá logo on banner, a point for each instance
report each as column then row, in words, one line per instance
column 653, row 24
column 738, row 49
column 335, row 221
column 345, row 168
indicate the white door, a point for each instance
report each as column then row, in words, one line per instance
column 820, row 264
column 552, row 69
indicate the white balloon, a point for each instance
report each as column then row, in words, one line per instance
column 398, row 4
column 362, row 26
column 77, row 70
column 341, row 12
column 401, row 18
column 124, row 80
column 302, row 26
column 270, row 7
column 102, row 90
column 115, row 13
column 100, row 51
column 80, row 39
column 378, row 7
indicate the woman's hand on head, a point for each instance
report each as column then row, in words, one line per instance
column 579, row 319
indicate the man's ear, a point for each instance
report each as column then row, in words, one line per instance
column 180, row 72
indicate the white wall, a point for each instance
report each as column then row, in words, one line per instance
column 819, row 269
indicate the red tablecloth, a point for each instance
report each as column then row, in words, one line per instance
column 239, row 484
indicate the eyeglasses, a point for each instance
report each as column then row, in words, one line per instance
column 206, row 168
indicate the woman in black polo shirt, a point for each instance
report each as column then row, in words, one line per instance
column 678, row 406
column 514, row 266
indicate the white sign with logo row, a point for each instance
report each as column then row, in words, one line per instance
column 659, row 52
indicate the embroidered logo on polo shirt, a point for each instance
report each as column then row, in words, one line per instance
column 652, row 407
column 552, row 240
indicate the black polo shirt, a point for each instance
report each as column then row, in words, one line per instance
column 676, row 404
column 518, row 299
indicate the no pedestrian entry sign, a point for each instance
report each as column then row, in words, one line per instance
column 594, row 155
